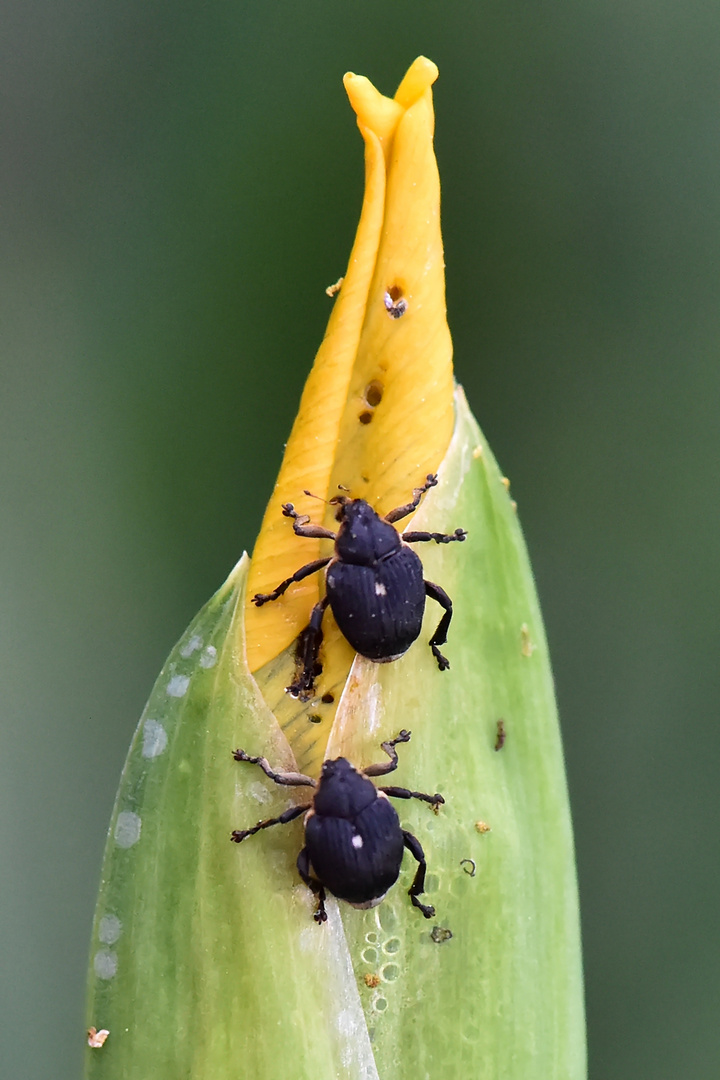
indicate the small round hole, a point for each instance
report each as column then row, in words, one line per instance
column 374, row 393
column 327, row 699
column 390, row 972
column 370, row 956
column 395, row 303
column 381, row 1005
column 365, row 417
column 392, row 945
column 314, row 718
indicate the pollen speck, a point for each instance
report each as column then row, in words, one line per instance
column 97, row 1038
column 527, row 648
column 357, row 842
column 380, row 589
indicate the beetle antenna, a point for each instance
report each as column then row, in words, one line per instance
column 313, row 496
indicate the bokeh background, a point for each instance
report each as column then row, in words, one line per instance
column 179, row 183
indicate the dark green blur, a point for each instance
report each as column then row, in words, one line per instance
column 178, row 185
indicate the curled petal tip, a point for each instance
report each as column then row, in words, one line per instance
column 421, row 74
column 374, row 111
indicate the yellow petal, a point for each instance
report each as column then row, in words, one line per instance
column 376, row 415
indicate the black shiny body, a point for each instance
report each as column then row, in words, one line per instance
column 378, row 606
column 354, row 842
column 353, row 836
column 374, row 586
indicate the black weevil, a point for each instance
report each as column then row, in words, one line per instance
column 353, row 840
column 374, row 585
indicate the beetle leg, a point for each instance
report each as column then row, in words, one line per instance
column 303, row 867
column 308, row 649
column 310, row 568
column 288, row 779
column 439, row 538
column 404, row 793
column 440, row 635
column 238, row 835
column 389, row 747
column 403, row 511
column 302, row 526
column 418, row 886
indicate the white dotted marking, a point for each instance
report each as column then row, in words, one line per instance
column 357, row 841
column 154, row 739
column 110, row 929
column 105, row 963
column 380, row 589
column 191, row 646
column 127, row 829
column 209, row 657
column 177, row 687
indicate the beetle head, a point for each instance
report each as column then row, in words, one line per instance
column 363, row 537
column 342, row 791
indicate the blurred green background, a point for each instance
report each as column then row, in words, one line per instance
column 179, row 183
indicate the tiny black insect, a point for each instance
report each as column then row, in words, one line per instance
column 374, row 585
column 353, row 840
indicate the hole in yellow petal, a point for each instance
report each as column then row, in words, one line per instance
column 314, row 718
column 327, row 699
column 365, row 417
column 374, row 393
column 395, row 302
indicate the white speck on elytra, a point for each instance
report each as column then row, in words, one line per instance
column 110, row 929
column 177, row 687
column 155, row 739
column 191, row 646
column 380, row 589
column 127, row 829
column 209, row 657
column 105, row 963
column 357, row 841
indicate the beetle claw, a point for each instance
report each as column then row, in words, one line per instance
column 442, row 661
